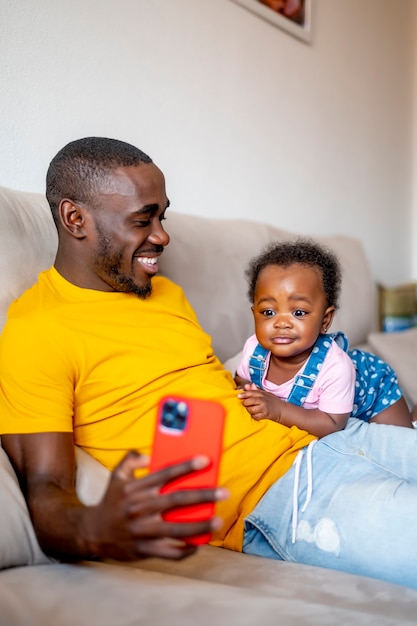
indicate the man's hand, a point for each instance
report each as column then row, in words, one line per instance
column 127, row 524
column 261, row 404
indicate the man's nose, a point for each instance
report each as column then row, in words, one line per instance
column 158, row 234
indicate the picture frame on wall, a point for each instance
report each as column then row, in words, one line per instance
column 292, row 16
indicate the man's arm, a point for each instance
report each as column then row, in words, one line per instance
column 125, row 525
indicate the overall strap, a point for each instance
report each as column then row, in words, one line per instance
column 257, row 365
column 304, row 382
column 341, row 340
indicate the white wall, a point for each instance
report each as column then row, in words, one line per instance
column 244, row 119
column 414, row 158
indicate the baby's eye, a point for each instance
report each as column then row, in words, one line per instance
column 268, row 313
column 299, row 313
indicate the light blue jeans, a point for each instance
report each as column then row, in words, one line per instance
column 362, row 513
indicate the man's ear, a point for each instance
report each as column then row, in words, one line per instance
column 327, row 318
column 72, row 218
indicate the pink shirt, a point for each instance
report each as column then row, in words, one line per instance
column 334, row 389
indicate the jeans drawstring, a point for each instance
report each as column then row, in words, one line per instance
column 297, row 463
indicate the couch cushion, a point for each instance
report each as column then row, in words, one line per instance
column 91, row 478
column 358, row 290
column 212, row 587
column 28, row 241
column 232, row 363
column 400, row 351
column 18, row 543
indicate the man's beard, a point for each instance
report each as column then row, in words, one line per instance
column 127, row 285
column 109, row 262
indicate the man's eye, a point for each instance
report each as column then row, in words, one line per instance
column 299, row 313
column 142, row 223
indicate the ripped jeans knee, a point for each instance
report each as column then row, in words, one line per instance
column 339, row 509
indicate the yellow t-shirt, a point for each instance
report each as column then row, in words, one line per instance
column 97, row 363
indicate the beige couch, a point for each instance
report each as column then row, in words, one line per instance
column 207, row 257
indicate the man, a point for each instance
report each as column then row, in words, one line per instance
column 89, row 350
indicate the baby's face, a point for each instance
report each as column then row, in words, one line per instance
column 290, row 309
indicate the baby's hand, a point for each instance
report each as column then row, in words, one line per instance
column 261, row 404
column 241, row 383
column 251, row 387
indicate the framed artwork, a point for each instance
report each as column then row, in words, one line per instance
column 293, row 16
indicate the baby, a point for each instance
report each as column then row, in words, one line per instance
column 291, row 370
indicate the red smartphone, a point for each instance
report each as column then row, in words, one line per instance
column 186, row 427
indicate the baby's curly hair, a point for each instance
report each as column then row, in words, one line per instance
column 302, row 251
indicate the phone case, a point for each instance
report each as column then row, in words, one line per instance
column 186, row 427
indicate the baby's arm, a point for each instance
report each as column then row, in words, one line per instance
column 265, row 405
column 396, row 414
column 241, row 382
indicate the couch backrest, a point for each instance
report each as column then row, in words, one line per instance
column 207, row 257
column 28, row 241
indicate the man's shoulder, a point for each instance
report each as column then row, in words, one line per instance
column 27, row 301
column 163, row 283
column 34, row 311
column 165, row 288
column 26, row 323
column 170, row 296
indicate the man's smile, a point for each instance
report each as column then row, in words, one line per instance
column 150, row 263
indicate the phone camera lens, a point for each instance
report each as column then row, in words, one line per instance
column 174, row 415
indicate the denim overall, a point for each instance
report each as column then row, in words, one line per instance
column 376, row 385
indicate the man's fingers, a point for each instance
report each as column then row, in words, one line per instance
column 166, row 548
column 134, row 461
column 165, row 475
column 129, row 464
column 142, row 504
column 144, row 494
column 157, row 527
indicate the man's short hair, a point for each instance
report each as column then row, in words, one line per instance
column 81, row 169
